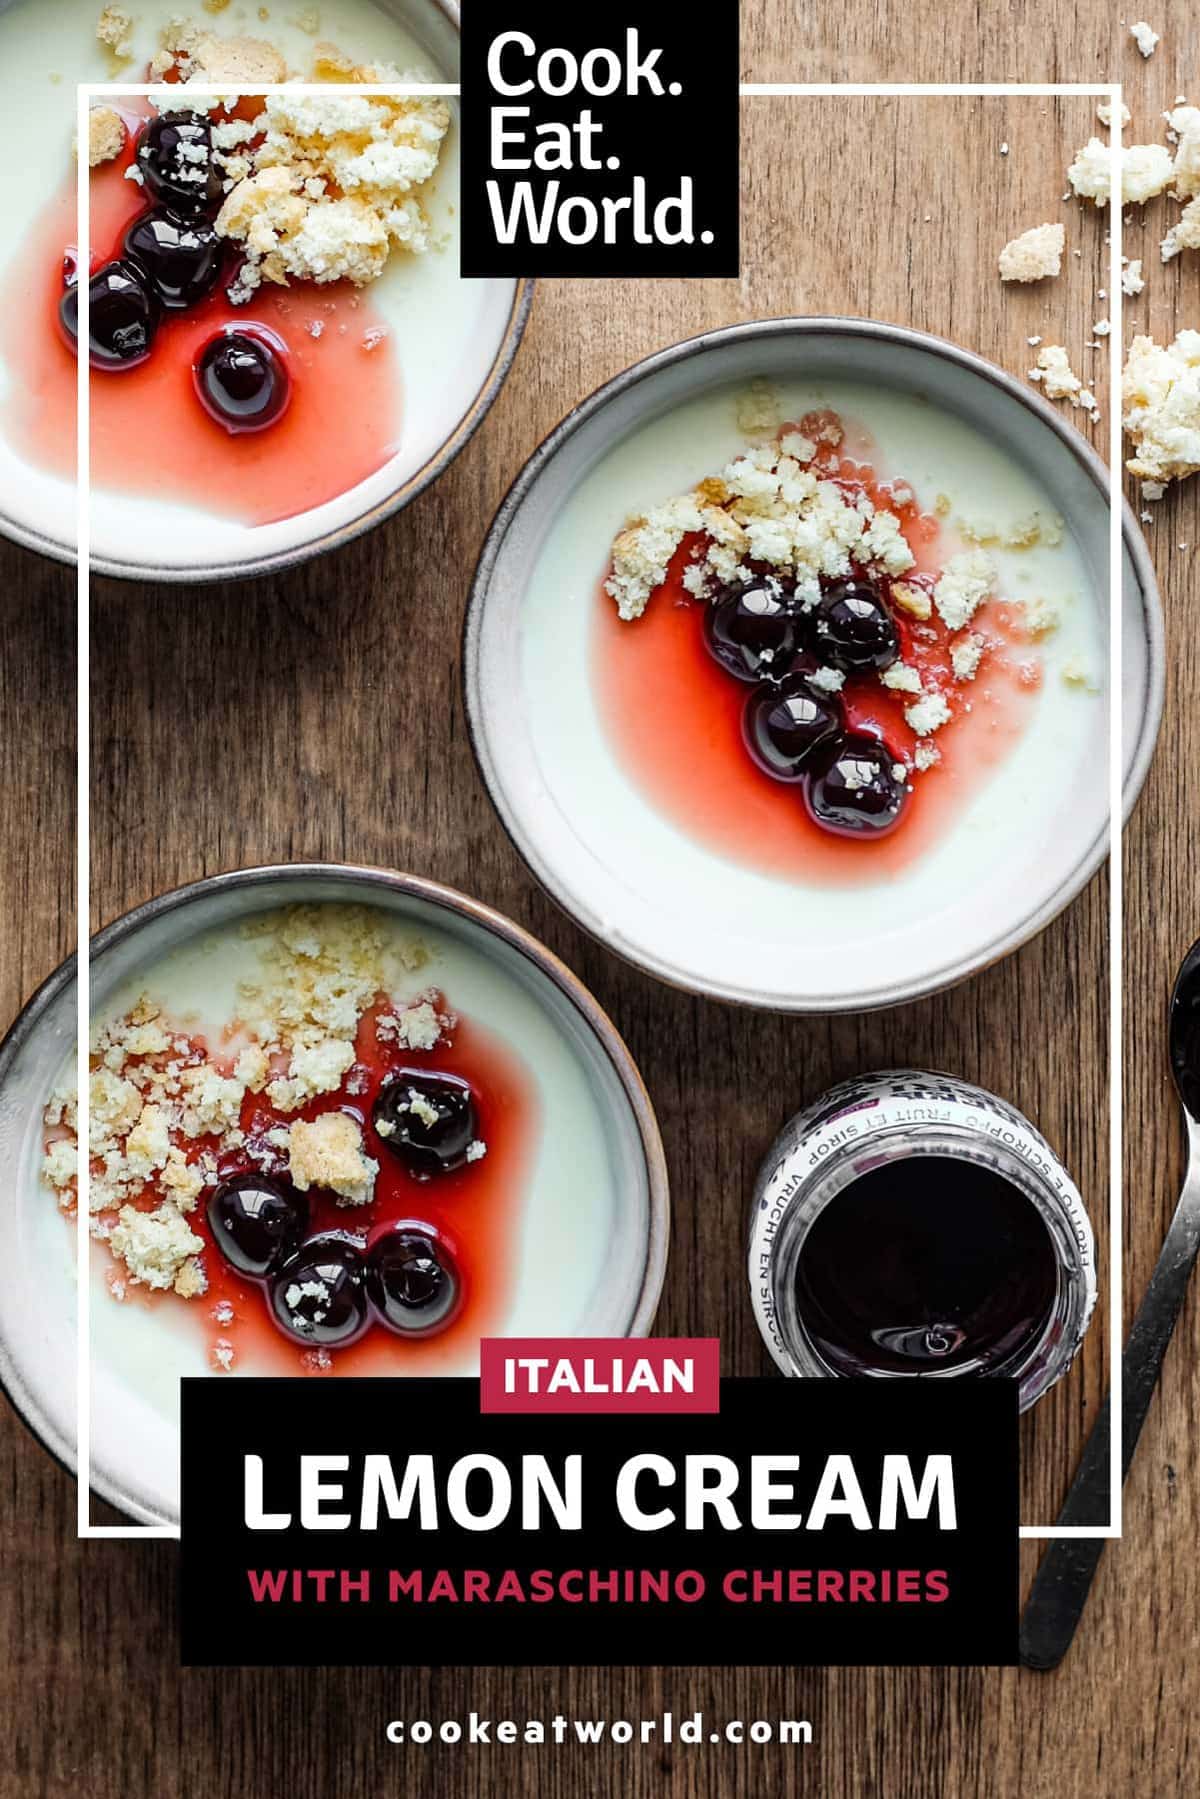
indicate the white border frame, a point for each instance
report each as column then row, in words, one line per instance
column 86, row 93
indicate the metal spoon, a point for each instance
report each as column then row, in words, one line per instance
column 1062, row 1583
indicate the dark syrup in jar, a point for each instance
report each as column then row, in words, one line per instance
column 927, row 1265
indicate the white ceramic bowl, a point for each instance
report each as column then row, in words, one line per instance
column 617, row 864
column 139, row 1355
column 456, row 341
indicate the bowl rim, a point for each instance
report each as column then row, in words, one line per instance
column 269, row 876
column 907, row 338
column 246, row 568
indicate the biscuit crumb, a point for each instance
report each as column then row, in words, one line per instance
column 913, row 600
column 192, row 53
column 901, row 677
column 928, row 714
column 328, row 1152
column 758, row 410
column 114, row 29
column 1146, row 170
column 335, row 186
column 966, row 653
column 964, row 584
column 1042, row 617
column 159, row 1249
column 1076, row 673
column 1160, row 399
column 767, row 508
column 1054, row 372
column 106, row 135
column 1035, row 255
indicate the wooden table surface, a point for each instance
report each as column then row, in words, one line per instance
column 319, row 715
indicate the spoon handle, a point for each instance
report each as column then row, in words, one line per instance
column 1064, row 1579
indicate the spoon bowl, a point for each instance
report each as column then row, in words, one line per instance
column 1185, row 1033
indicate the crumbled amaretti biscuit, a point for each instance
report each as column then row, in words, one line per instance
column 966, row 653
column 1144, row 36
column 328, row 1152
column 194, row 52
column 1037, row 527
column 164, row 1108
column 1160, row 395
column 318, row 188
column 963, row 586
column 1053, row 370
column 766, row 507
column 1185, row 124
column 758, row 410
column 159, row 1249
column 331, row 187
column 928, row 714
column 1146, row 170
column 106, row 136
column 1185, row 233
column 419, row 1026
column 114, row 29
column 1042, row 617
column 1035, row 255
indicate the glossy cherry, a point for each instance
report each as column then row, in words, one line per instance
column 175, row 156
column 753, row 631
column 181, row 257
column 853, row 788
column 319, row 1296
column 125, row 314
column 257, row 1224
column 242, row 381
column 412, row 1281
column 428, row 1120
column 853, row 629
column 785, row 724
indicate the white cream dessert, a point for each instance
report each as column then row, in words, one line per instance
column 637, row 729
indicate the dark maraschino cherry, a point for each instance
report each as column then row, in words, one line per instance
column 319, row 1297
column 853, row 629
column 784, row 724
column 125, row 314
column 173, row 259
column 411, row 1280
column 428, row 1120
column 257, row 1224
column 174, row 155
column 181, row 257
column 242, row 381
column 753, row 631
column 853, row 788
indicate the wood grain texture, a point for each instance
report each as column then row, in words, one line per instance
column 319, row 715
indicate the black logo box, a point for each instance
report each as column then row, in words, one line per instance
column 661, row 139
column 975, row 1625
